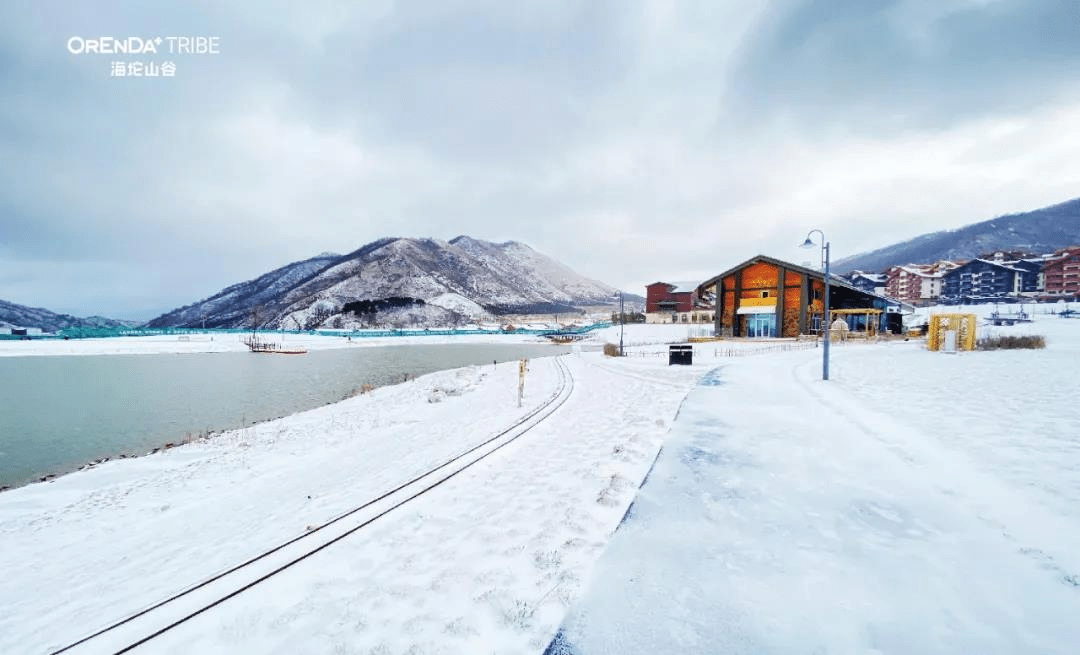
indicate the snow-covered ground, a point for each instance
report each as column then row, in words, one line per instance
column 487, row 562
column 207, row 343
column 917, row 502
column 636, row 334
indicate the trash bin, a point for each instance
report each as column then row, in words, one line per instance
column 682, row 354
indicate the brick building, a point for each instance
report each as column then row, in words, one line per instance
column 1061, row 272
column 913, row 283
column 676, row 303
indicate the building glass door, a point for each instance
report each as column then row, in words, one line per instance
column 761, row 325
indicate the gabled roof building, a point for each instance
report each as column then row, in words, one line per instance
column 917, row 282
column 869, row 282
column 767, row 297
column 982, row 280
column 676, row 303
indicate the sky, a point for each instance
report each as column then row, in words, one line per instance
column 634, row 141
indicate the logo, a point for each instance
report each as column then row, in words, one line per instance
column 138, row 45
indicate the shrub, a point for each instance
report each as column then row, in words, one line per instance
column 611, row 350
column 1011, row 343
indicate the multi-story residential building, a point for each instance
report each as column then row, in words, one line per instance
column 903, row 282
column 917, row 282
column 1031, row 279
column 1061, row 272
column 980, row 280
column 1006, row 256
column 868, row 282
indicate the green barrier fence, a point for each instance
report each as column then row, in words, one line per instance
column 98, row 333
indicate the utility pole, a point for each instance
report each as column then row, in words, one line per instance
column 825, row 317
column 622, row 322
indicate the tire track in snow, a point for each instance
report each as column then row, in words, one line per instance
column 991, row 513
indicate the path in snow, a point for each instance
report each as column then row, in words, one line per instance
column 785, row 516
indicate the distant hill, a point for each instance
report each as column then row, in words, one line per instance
column 399, row 282
column 12, row 315
column 1041, row 231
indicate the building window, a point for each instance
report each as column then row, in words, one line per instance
column 764, row 294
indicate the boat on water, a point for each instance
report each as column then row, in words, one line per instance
column 257, row 345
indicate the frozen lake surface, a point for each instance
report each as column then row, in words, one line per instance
column 61, row 412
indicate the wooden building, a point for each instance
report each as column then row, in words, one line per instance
column 766, row 297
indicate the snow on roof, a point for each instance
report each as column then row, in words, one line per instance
column 684, row 287
column 679, row 287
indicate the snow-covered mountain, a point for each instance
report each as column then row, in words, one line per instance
column 398, row 281
column 1039, row 231
column 232, row 306
column 12, row 315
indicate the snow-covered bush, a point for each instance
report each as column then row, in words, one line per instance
column 1031, row 341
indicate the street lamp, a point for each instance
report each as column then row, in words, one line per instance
column 825, row 317
column 622, row 321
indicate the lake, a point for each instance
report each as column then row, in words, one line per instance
column 60, row 412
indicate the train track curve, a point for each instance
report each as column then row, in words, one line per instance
column 135, row 630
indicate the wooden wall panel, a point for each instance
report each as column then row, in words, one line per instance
column 791, row 312
column 729, row 308
column 757, row 278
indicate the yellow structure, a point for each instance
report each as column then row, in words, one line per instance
column 872, row 316
column 962, row 324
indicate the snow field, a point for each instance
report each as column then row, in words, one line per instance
column 202, row 343
column 917, row 502
column 484, row 563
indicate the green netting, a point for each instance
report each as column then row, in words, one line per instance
column 96, row 333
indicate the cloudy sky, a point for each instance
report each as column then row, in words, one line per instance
column 632, row 140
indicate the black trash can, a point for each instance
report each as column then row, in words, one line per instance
column 682, row 354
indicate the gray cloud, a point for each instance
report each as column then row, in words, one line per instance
column 632, row 140
column 904, row 64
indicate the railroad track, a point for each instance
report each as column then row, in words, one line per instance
column 138, row 629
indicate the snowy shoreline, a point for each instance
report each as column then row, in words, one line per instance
column 272, row 480
column 494, row 560
column 229, row 342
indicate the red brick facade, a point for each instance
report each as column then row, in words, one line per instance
column 662, row 297
column 1062, row 273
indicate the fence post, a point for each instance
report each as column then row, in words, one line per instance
column 521, row 379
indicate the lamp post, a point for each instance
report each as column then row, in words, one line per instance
column 825, row 316
column 622, row 321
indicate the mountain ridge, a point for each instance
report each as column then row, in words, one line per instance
column 15, row 315
column 454, row 282
column 1041, row 230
